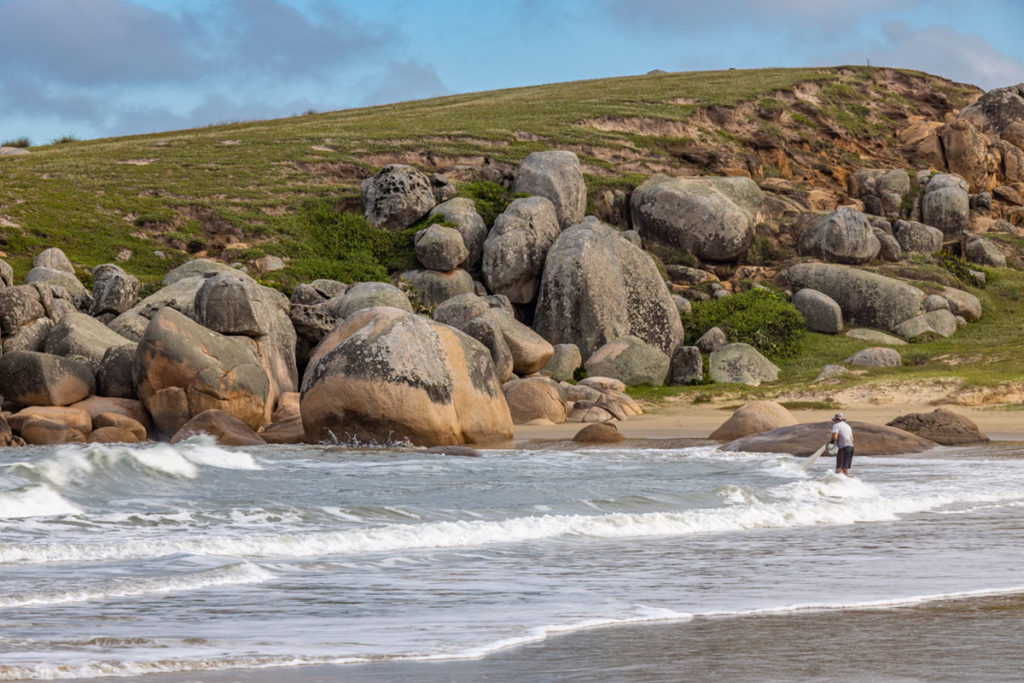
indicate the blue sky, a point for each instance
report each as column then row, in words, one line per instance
column 97, row 68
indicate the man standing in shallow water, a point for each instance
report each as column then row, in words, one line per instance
column 842, row 437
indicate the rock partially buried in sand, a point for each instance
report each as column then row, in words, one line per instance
column 599, row 433
column 941, row 426
column 753, row 418
column 804, row 439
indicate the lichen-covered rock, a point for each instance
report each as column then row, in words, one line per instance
column 558, row 176
column 876, row 357
column 597, row 287
column 712, row 340
column 564, row 362
column 364, row 295
column 83, row 338
column 866, row 298
column 488, row 331
column 914, row 236
column 843, row 236
column 881, row 190
column 631, row 360
column 54, row 259
column 687, row 365
column 183, row 369
column 41, row 379
column 941, row 426
column 876, row 337
column 462, row 212
column 712, row 218
column 80, row 296
column 428, row 288
column 740, row 363
column 113, row 290
column 753, row 418
column 396, row 197
column 385, row 375
column 440, row 248
column 516, row 247
column 939, row 322
column 963, row 303
column 946, row 205
column 985, row 252
column 820, row 311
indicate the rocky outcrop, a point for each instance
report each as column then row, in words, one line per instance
column 940, row 322
column 631, row 360
column 182, row 369
column 740, row 363
column 113, row 291
column 515, row 249
column 804, row 439
column 710, row 217
column 866, row 298
column 598, row 286
column 558, row 176
column 83, row 338
column 753, row 418
column 881, row 190
column 941, row 426
column 385, row 375
column 396, row 197
column 843, row 236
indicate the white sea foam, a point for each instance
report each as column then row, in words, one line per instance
column 34, row 501
column 835, row 500
column 203, row 450
column 233, row 575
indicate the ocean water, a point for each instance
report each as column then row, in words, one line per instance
column 135, row 561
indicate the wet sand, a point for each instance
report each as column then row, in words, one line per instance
column 974, row 639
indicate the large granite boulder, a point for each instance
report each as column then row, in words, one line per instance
column 534, row 398
column 941, row 323
column 985, row 252
column 753, row 418
column 53, row 258
column 804, row 439
column 235, row 304
column 946, row 205
column 843, row 236
column 631, row 360
column 183, row 368
column 914, row 236
column 462, row 212
column 367, row 295
column 820, row 311
column 515, row 249
column 598, row 286
column 881, row 190
column 712, row 218
column 963, row 303
column 488, row 331
column 385, row 375
column 564, row 362
column 428, row 288
column 967, row 154
column 83, row 338
column 396, row 197
column 941, row 426
column 42, row 379
column 113, row 291
column 79, row 295
column 225, row 428
column 440, row 248
column 996, row 110
column 558, row 176
column 530, row 351
column 866, row 298
column 740, row 363
column 687, row 365
column 6, row 274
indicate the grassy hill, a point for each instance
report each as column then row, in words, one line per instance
column 241, row 190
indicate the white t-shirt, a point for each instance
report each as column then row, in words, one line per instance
column 845, row 437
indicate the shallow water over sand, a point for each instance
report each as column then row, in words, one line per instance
column 194, row 559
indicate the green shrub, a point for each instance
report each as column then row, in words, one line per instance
column 491, row 199
column 17, row 142
column 759, row 317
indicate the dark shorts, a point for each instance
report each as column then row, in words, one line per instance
column 844, row 458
